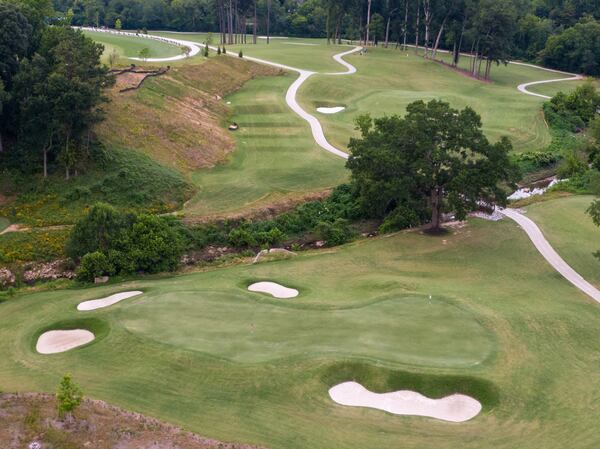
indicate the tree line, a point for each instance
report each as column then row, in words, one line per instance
column 51, row 87
column 560, row 33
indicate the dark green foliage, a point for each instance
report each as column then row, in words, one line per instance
column 401, row 218
column 576, row 49
column 96, row 231
column 112, row 242
column 94, row 265
column 572, row 112
column 241, row 54
column 435, row 158
column 572, row 165
column 336, row 233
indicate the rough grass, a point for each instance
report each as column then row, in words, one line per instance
column 4, row 223
column 537, row 383
column 179, row 118
column 571, row 232
column 35, row 245
column 127, row 179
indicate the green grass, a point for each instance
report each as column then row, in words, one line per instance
column 388, row 80
column 275, row 155
column 4, row 223
column 126, row 179
column 200, row 351
column 294, row 52
column 571, row 232
column 130, row 47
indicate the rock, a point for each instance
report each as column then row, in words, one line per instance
column 320, row 244
column 101, row 280
column 7, row 278
column 277, row 253
column 47, row 271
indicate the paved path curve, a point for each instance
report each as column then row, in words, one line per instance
column 523, row 87
column 543, row 246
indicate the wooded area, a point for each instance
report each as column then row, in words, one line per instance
column 561, row 33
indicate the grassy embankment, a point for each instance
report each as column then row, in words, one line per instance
column 508, row 330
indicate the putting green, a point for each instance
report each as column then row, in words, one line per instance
column 540, row 333
column 259, row 330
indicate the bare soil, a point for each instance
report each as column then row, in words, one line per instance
column 32, row 417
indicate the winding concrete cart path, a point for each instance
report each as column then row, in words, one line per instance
column 543, row 246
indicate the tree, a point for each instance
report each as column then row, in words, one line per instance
column 3, row 99
column 96, row 231
column 113, row 57
column 118, row 24
column 434, row 159
column 144, row 53
column 69, row 396
column 17, row 35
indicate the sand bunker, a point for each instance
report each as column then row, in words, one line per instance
column 108, row 301
column 274, row 289
column 52, row 342
column 455, row 408
column 332, row 110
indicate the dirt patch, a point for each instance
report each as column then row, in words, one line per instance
column 178, row 118
column 32, row 417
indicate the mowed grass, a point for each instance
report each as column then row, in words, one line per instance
column 200, row 351
column 571, row 232
column 388, row 80
column 275, row 155
column 307, row 54
column 129, row 47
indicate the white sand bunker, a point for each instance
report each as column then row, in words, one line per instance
column 455, row 408
column 52, row 342
column 274, row 289
column 332, row 110
column 108, row 301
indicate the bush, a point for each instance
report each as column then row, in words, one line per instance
column 336, row 233
column 241, row 238
column 400, row 218
column 571, row 166
column 241, row 54
column 94, row 265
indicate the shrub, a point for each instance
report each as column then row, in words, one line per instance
column 336, row 233
column 241, row 237
column 400, row 218
column 94, row 265
column 572, row 165
column 241, row 54
column 69, row 396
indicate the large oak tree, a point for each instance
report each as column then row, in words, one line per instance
column 434, row 159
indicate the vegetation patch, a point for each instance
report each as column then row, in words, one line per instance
column 33, row 245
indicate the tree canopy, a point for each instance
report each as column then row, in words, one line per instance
column 434, row 159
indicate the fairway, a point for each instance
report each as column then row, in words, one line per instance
column 571, row 232
column 388, row 80
column 130, row 47
column 200, row 351
column 275, row 155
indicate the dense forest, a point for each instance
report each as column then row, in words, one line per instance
column 563, row 34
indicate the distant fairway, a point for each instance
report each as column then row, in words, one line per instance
column 130, row 47
column 388, row 80
column 200, row 351
column 275, row 155
column 571, row 232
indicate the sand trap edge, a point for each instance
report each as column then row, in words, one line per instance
column 57, row 340
column 100, row 303
column 407, row 402
column 274, row 289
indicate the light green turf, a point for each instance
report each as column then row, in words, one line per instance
column 130, row 47
column 4, row 223
column 542, row 333
column 571, row 232
column 307, row 54
column 388, row 80
column 275, row 154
